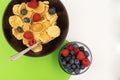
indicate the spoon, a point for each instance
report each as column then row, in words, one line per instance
column 14, row 57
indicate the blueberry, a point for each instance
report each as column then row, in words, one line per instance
column 86, row 53
column 23, row 11
column 70, row 71
column 73, row 66
column 52, row 10
column 19, row 29
column 68, row 66
column 77, row 61
column 72, row 61
column 73, row 57
column 72, row 52
column 78, row 66
column 26, row 20
column 63, row 62
column 77, row 71
column 75, row 45
column 68, row 58
column 82, row 67
column 81, row 48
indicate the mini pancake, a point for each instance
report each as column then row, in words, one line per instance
column 15, row 9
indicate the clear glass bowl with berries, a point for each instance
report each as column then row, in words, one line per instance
column 75, row 58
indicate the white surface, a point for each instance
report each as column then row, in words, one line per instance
column 97, row 24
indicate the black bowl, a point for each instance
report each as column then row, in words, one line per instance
column 62, row 22
column 66, row 68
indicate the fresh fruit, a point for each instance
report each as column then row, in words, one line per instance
column 86, row 62
column 80, row 56
column 65, row 52
column 70, row 47
column 72, row 52
column 72, row 61
column 75, row 45
column 19, row 29
column 64, row 62
column 31, row 42
column 73, row 66
column 77, row 71
column 36, row 17
column 28, row 35
column 70, row 71
column 77, row 61
column 68, row 58
column 26, row 20
column 81, row 48
column 23, row 11
column 52, row 10
column 76, row 50
column 86, row 53
column 33, row 4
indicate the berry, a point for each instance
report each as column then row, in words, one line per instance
column 73, row 57
column 72, row 52
column 64, row 62
column 23, row 11
column 65, row 52
column 77, row 61
column 33, row 4
column 19, row 29
column 75, row 45
column 26, row 20
column 68, row 58
column 78, row 66
column 31, row 42
column 76, row 50
column 70, row 47
column 82, row 67
column 28, row 35
column 77, row 71
column 52, row 10
column 73, row 66
column 36, row 17
column 68, row 66
column 80, row 56
column 86, row 53
column 81, row 48
column 86, row 62
column 72, row 61
column 70, row 71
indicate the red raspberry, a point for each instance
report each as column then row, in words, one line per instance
column 36, row 17
column 33, row 4
column 76, row 50
column 70, row 47
column 28, row 35
column 31, row 42
column 65, row 52
column 86, row 62
column 80, row 56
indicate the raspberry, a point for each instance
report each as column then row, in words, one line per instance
column 36, row 17
column 86, row 62
column 28, row 35
column 70, row 47
column 65, row 52
column 33, row 4
column 76, row 50
column 80, row 56
column 31, row 42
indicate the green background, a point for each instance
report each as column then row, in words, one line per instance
column 27, row 68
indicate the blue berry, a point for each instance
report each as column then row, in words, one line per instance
column 19, row 29
column 77, row 61
column 52, row 10
column 26, row 20
column 72, row 52
column 68, row 58
column 70, row 71
column 68, row 66
column 72, row 61
column 86, row 53
column 78, row 66
column 77, row 71
column 73, row 66
column 82, row 67
column 81, row 48
column 75, row 45
column 73, row 57
column 23, row 11
column 64, row 63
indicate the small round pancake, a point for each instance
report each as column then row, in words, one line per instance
column 22, row 6
column 15, row 21
column 53, row 31
column 46, row 24
column 37, row 27
column 26, row 27
column 15, row 9
column 38, row 48
column 46, row 2
column 25, row 41
column 49, row 17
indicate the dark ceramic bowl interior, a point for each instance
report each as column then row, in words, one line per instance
column 62, row 22
column 81, row 70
